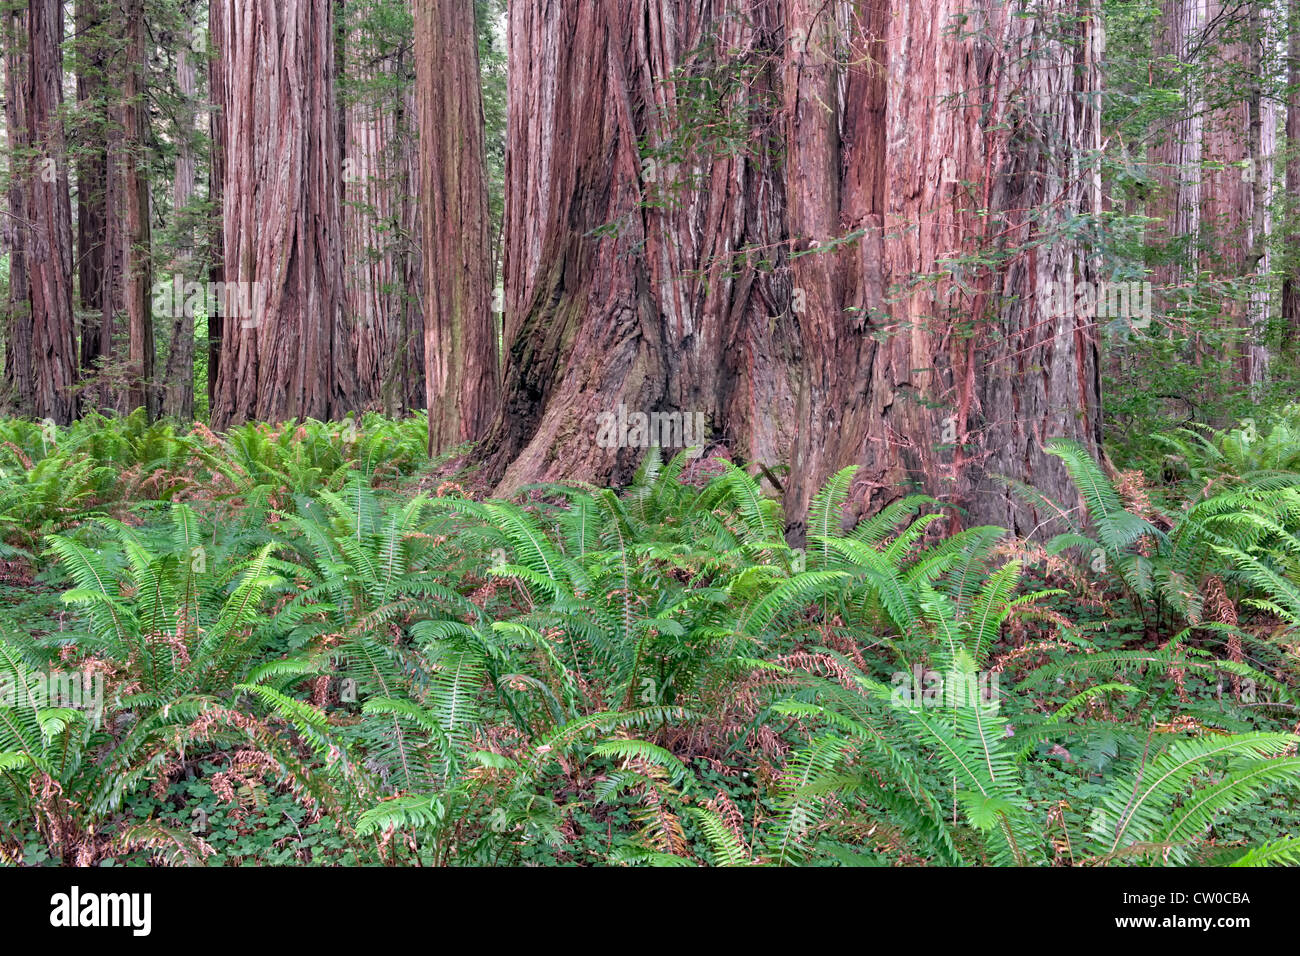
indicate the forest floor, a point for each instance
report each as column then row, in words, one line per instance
column 308, row 645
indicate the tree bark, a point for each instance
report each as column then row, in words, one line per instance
column 1261, row 143
column 1291, row 283
column 653, row 277
column 93, row 279
column 290, row 358
column 178, row 397
column 935, row 355
column 382, row 225
column 141, row 390
column 216, row 187
column 49, row 218
column 1223, row 249
column 460, row 342
column 18, row 338
column 785, row 281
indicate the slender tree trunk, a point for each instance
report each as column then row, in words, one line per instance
column 142, row 392
column 178, row 399
column 101, row 237
column 1224, row 253
column 92, row 172
column 460, row 344
column 113, row 286
column 291, row 357
column 217, row 94
column 18, row 337
column 49, row 215
column 1262, row 117
column 1291, row 284
column 406, row 362
column 1175, row 205
column 381, row 228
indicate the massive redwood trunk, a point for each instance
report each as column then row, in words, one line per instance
column 286, row 353
column 991, row 157
column 836, row 103
column 460, row 347
column 644, row 254
column 49, row 219
column 841, row 248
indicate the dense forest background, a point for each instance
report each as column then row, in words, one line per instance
column 341, row 340
column 841, row 233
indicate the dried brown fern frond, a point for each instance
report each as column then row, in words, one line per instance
column 166, row 845
column 731, row 817
column 661, row 827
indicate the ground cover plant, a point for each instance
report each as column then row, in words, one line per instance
column 319, row 651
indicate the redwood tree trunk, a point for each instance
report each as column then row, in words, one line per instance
column 141, row 391
column 93, row 261
column 290, row 358
column 1175, row 206
column 1291, row 283
column 216, row 185
column 1211, row 206
column 49, row 218
column 644, row 257
column 382, row 226
column 460, row 343
column 1261, row 114
column 781, row 277
column 18, row 340
column 178, row 397
column 835, row 112
column 934, row 355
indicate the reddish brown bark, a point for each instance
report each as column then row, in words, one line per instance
column 92, row 171
column 835, row 101
column 645, row 276
column 1291, row 283
column 102, row 238
column 1176, row 152
column 282, row 224
column 1214, row 169
column 216, row 186
column 382, row 228
column 847, row 303
column 460, row 342
column 141, row 390
column 935, row 356
column 18, row 339
column 49, row 219
column 178, row 377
